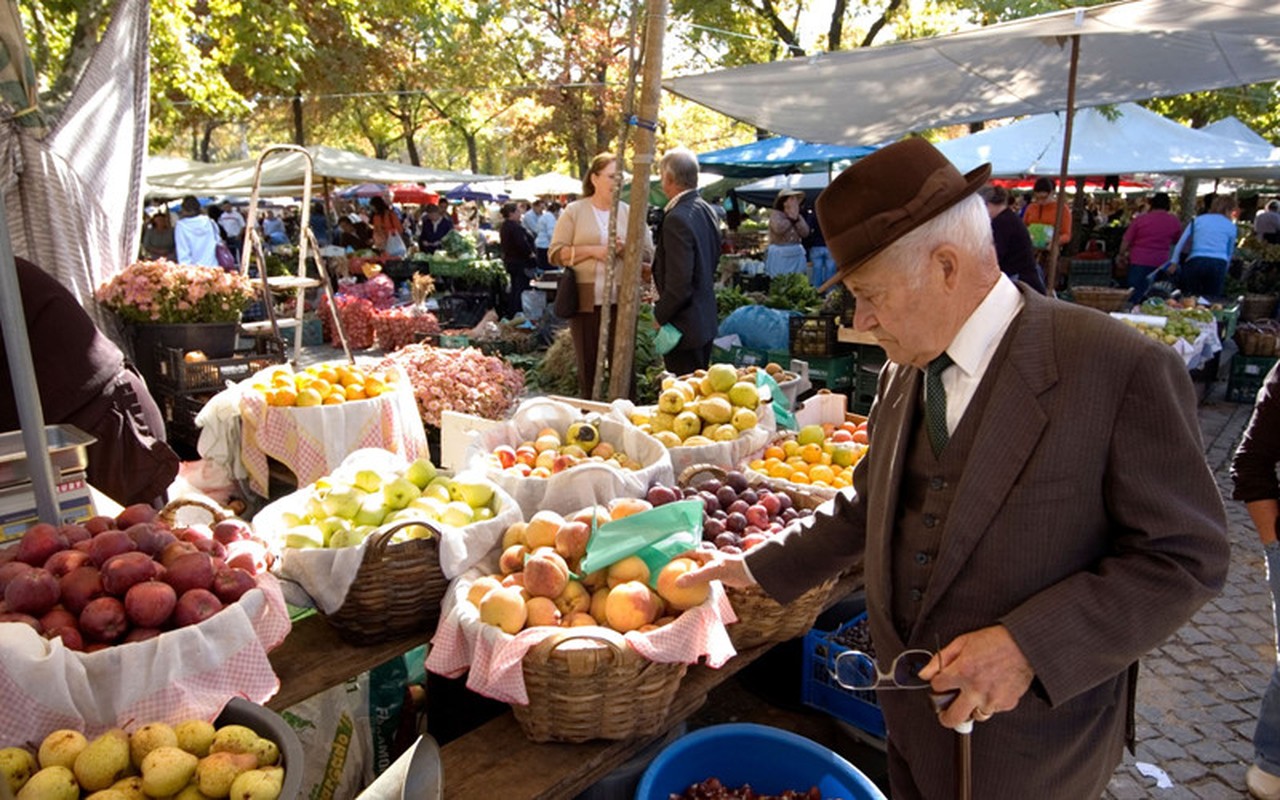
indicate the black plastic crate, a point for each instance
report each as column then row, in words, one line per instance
column 179, row 375
column 179, row 410
column 1089, row 272
column 815, row 335
column 462, row 309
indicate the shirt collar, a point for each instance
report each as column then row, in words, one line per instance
column 672, row 202
column 974, row 344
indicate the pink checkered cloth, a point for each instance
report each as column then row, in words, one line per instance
column 183, row 674
column 494, row 658
column 313, row 441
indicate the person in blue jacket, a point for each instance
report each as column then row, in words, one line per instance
column 1210, row 241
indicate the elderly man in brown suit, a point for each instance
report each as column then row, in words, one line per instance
column 1035, row 500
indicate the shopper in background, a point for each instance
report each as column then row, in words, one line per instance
column 1266, row 225
column 1209, row 241
column 518, row 256
column 232, row 223
column 157, row 239
column 83, row 380
column 388, row 233
column 684, row 266
column 196, row 237
column 821, row 267
column 1036, row 556
column 542, row 236
column 787, row 230
column 581, row 241
column 1042, row 210
column 1253, row 471
column 319, row 224
column 1146, row 244
column 1014, row 252
column 435, row 226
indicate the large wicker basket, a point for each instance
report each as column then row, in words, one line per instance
column 585, row 686
column 761, row 619
column 397, row 590
column 1102, row 298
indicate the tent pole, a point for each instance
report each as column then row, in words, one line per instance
column 623, row 363
column 26, row 393
column 1051, row 279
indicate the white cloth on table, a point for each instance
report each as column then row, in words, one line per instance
column 785, row 259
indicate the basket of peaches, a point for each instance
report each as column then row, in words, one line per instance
column 818, row 459
column 585, row 655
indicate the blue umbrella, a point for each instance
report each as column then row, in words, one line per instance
column 470, row 191
column 777, row 155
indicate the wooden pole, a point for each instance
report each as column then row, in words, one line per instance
column 623, row 362
column 1052, row 278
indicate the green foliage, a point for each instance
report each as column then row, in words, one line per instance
column 646, row 361
column 475, row 273
column 793, row 293
column 729, row 299
column 455, row 245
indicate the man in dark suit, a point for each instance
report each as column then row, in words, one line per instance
column 1014, row 251
column 1035, row 500
column 684, row 266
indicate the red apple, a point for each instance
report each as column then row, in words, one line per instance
column 230, row 583
column 33, row 592
column 123, row 571
column 58, row 617
column 63, row 561
column 142, row 634
column 10, row 570
column 71, row 638
column 79, row 587
column 40, row 542
column 96, row 525
column 74, row 533
column 138, row 512
column 191, row 571
column 195, row 606
column 232, row 530
column 109, row 543
column 249, row 555
column 104, row 620
column 175, row 550
column 25, row 619
column 506, row 455
column 150, row 604
column 152, row 539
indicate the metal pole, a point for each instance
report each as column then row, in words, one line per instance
column 26, row 394
column 650, row 97
column 1052, row 277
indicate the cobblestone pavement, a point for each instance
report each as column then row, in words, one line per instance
column 1198, row 695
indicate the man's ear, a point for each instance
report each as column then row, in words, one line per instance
column 947, row 257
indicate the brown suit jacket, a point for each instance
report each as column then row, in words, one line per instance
column 1087, row 522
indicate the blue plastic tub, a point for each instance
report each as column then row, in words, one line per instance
column 769, row 759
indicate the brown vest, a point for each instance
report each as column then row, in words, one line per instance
column 924, row 498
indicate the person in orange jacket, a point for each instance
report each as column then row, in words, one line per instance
column 1043, row 209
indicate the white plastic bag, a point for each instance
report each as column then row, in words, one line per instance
column 587, row 484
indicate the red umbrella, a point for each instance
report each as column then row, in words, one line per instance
column 413, row 193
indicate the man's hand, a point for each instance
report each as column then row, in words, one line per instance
column 729, row 568
column 987, row 668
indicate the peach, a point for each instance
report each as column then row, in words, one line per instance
column 515, row 535
column 542, row 529
column 512, row 559
column 598, row 601
column 626, row 506
column 571, row 540
column 629, row 606
column 542, row 611
column 595, row 580
column 575, row 597
column 578, row 619
column 481, row 587
column 630, row 568
column 599, row 513
column 681, row 598
column 545, row 574
column 516, row 579
column 504, row 608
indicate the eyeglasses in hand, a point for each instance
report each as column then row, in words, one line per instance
column 856, row 670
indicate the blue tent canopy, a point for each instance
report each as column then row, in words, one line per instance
column 777, row 155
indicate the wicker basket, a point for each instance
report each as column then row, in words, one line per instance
column 761, row 619
column 585, row 686
column 1257, row 306
column 397, row 590
column 1101, row 297
column 169, row 514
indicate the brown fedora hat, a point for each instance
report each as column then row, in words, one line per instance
column 881, row 198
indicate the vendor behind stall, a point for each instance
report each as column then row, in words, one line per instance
column 84, row 381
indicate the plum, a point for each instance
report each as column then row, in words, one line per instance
column 79, row 587
column 123, row 571
column 710, row 485
column 737, row 480
column 784, row 501
column 109, row 543
column 738, row 507
column 138, row 512
column 758, row 516
column 104, row 620
column 736, row 522
column 230, row 583
column 63, row 561
column 727, row 496
column 726, row 539
column 190, row 571
column 150, row 604
column 32, row 592
column 195, row 606
column 40, row 542
column 749, row 497
column 660, row 495
column 771, row 503
column 712, row 528
column 710, row 503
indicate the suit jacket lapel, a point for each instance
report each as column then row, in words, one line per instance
column 1011, row 425
column 894, row 413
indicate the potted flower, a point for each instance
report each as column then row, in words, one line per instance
column 176, row 305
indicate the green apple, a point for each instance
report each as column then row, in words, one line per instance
column 314, row 508
column 368, row 480
column 483, row 513
column 420, row 473
column 433, row 507
column 439, row 489
column 372, row 511
column 342, row 501
column 471, row 488
column 331, row 525
column 400, row 492
column 345, row 538
column 289, row 519
column 457, row 514
column 304, row 536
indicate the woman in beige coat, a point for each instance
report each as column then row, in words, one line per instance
column 580, row 241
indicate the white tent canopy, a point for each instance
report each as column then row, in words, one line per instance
column 285, row 172
column 548, row 183
column 1233, row 128
column 1128, row 51
column 1135, row 140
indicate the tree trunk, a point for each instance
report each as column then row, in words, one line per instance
column 412, row 147
column 299, row 134
column 880, row 23
column 473, row 154
column 836, row 31
column 209, row 128
column 84, row 38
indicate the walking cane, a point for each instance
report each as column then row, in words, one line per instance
column 964, row 747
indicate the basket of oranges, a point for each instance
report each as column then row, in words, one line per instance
column 817, row 458
column 322, row 384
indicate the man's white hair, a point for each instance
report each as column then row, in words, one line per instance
column 966, row 226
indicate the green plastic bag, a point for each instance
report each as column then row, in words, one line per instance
column 781, row 403
column 655, row 536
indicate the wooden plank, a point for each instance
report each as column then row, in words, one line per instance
column 314, row 658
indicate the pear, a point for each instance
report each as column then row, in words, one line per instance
column 104, row 761
column 166, row 770
column 195, row 736
column 216, row 771
column 256, row 784
column 130, row 788
column 148, row 738
column 114, row 794
column 60, row 748
column 192, row 792
column 16, row 767
column 267, row 752
column 234, row 739
column 51, row 783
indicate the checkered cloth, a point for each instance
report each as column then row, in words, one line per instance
column 494, row 658
column 183, row 674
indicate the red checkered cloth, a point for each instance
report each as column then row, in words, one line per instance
column 312, row 441
column 494, row 658
column 188, row 673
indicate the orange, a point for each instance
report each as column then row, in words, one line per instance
column 774, row 452
column 374, row 387
column 757, row 465
column 347, row 376
column 797, row 462
column 780, row 471
column 323, row 387
column 799, row 477
column 286, row 396
column 327, row 373
column 821, row 472
column 335, row 398
column 790, row 447
column 354, row 391
column 309, row 397
column 811, row 453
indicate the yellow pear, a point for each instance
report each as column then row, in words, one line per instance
column 60, row 748
column 166, row 770
column 256, row 784
column 217, row 771
column 195, row 736
column 148, row 738
column 51, row 783
column 104, row 761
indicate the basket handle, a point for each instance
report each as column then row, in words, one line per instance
column 687, row 474
column 381, row 538
column 170, row 512
column 608, row 638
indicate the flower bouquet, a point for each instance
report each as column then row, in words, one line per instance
column 165, row 293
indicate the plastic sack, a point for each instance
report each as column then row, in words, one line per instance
column 587, row 484
column 186, row 673
column 656, row 536
column 326, row 574
column 759, row 327
column 533, row 303
column 781, row 404
column 721, row 454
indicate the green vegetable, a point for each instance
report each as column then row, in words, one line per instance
column 728, row 300
column 793, row 293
